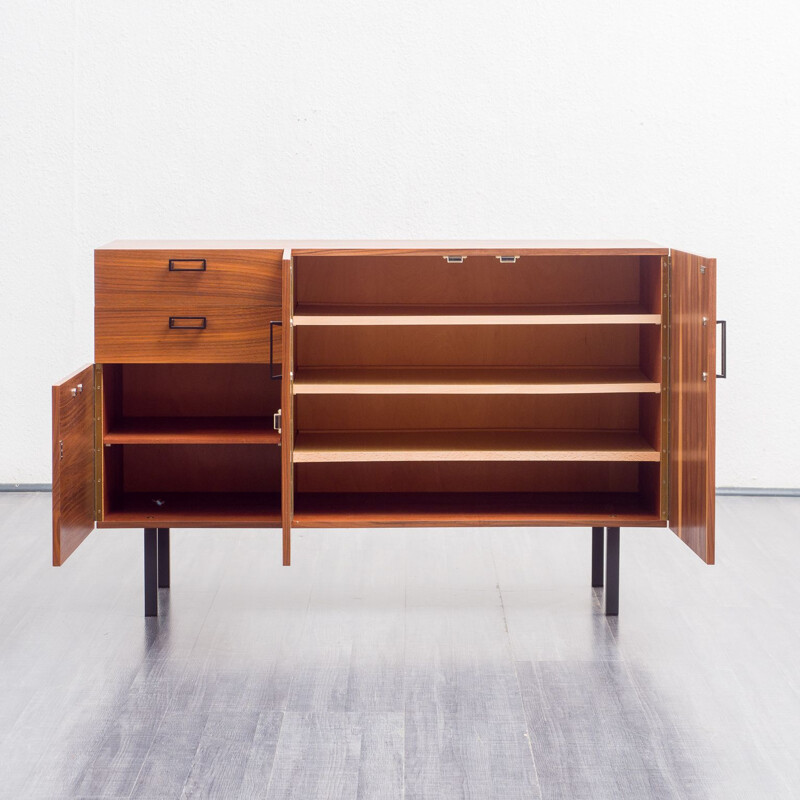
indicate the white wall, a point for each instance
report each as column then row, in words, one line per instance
column 676, row 122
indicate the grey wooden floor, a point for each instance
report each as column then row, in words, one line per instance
column 388, row 664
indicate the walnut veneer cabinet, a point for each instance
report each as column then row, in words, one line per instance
column 338, row 384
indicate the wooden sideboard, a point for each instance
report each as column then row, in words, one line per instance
column 337, row 384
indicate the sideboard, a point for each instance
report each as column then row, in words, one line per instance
column 335, row 384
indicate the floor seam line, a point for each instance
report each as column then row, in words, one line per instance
column 514, row 666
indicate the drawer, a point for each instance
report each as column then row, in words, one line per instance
column 181, row 334
column 157, row 278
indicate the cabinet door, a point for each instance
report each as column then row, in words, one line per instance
column 692, row 399
column 73, row 463
column 287, row 408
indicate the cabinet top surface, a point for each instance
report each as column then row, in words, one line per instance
column 300, row 246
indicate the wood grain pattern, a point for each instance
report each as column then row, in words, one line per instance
column 343, row 510
column 468, row 345
column 73, row 463
column 406, row 246
column 287, row 408
column 419, row 281
column 194, row 510
column 467, row 477
column 208, row 468
column 485, row 380
column 339, row 412
column 689, row 696
column 193, row 430
column 497, row 445
column 144, row 336
column 692, row 401
column 141, row 278
column 194, row 390
column 386, row 331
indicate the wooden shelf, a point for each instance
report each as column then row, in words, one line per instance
column 471, row 445
column 474, row 380
column 190, row 509
column 344, row 510
column 192, row 430
column 618, row 314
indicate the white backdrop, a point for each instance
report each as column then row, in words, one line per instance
column 676, row 121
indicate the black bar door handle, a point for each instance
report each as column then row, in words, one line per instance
column 199, row 323
column 724, row 343
column 187, row 265
column 272, row 374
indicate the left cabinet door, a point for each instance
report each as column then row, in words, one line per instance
column 73, row 463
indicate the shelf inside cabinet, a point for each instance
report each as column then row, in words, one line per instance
column 192, row 430
column 473, row 380
column 614, row 314
column 472, row 445
column 187, row 509
column 347, row 510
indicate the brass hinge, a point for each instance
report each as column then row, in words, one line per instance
column 702, row 269
column 276, row 420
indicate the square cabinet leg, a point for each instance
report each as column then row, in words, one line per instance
column 163, row 558
column 150, row 572
column 612, row 572
column 598, row 556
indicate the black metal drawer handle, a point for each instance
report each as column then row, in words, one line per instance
column 200, row 323
column 174, row 265
column 724, row 343
column 272, row 374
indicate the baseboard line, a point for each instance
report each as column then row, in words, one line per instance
column 749, row 491
column 723, row 491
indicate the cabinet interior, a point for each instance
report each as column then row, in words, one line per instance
column 621, row 282
column 429, row 391
column 186, row 443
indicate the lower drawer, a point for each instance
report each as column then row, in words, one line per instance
column 198, row 335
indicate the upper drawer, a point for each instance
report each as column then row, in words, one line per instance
column 188, row 334
column 156, row 278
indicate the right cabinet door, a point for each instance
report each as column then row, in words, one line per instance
column 692, row 399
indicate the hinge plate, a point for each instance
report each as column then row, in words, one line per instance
column 60, row 449
column 276, row 420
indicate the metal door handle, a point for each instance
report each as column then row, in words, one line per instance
column 724, row 343
column 200, row 323
column 175, row 265
column 272, row 374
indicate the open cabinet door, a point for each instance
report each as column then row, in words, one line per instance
column 73, row 463
column 287, row 409
column 693, row 361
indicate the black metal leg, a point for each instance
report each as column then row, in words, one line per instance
column 612, row 572
column 150, row 572
column 163, row 558
column 598, row 547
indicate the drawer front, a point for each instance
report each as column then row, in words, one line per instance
column 181, row 334
column 157, row 278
